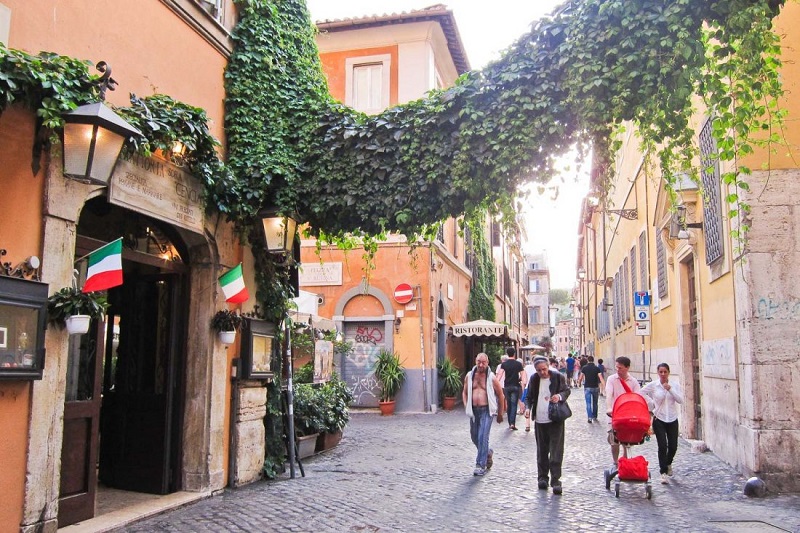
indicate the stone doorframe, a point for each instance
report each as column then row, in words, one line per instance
column 366, row 290
column 206, row 371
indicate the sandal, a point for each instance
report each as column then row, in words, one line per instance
column 528, row 429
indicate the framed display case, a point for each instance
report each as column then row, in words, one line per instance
column 23, row 316
column 259, row 345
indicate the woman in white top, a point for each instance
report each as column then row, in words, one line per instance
column 666, row 396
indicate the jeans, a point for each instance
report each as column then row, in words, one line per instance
column 479, row 427
column 591, row 394
column 512, row 403
column 667, row 438
column 549, row 451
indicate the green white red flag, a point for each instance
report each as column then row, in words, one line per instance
column 105, row 267
column 233, row 285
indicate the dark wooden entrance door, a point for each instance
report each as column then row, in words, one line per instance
column 81, row 423
column 138, row 430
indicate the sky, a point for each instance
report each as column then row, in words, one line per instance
column 486, row 30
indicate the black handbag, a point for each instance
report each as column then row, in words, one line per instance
column 558, row 411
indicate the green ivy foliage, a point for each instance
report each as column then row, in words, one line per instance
column 573, row 79
column 481, row 295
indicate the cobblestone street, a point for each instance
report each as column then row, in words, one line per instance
column 414, row 473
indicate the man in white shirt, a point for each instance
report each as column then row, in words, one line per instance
column 614, row 390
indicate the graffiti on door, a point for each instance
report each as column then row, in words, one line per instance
column 359, row 366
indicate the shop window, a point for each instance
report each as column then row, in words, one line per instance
column 22, row 321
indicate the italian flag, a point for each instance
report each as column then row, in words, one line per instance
column 105, row 267
column 233, row 285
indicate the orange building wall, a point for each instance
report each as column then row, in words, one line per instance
column 14, row 414
column 127, row 35
column 333, row 65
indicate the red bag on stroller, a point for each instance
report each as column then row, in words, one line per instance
column 633, row 469
column 630, row 417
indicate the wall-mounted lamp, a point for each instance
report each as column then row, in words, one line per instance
column 397, row 322
column 279, row 231
column 582, row 277
column 27, row 269
column 678, row 227
column 93, row 137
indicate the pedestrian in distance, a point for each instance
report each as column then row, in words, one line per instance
column 503, row 359
column 530, row 370
column 547, row 387
column 509, row 375
column 614, row 390
column 592, row 380
column 483, row 399
column 570, row 362
column 602, row 369
column 665, row 394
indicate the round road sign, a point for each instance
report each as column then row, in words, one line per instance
column 403, row 293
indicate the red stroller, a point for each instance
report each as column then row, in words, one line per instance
column 630, row 423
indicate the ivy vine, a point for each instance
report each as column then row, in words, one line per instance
column 481, row 295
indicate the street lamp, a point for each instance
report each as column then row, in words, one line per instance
column 93, row 137
column 582, row 278
column 279, row 231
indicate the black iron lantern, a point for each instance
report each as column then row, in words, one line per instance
column 279, row 231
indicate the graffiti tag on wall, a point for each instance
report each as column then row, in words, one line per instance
column 719, row 360
column 359, row 365
column 770, row 308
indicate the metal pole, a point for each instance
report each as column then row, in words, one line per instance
column 425, row 405
column 290, row 399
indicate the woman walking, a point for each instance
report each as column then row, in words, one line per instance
column 666, row 395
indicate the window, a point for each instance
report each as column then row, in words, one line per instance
column 712, row 212
column 440, row 234
column 367, row 83
column 661, row 261
column 533, row 285
column 533, row 315
column 625, row 292
column 495, row 233
column 213, row 7
column 633, row 271
column 643, row 281
column 534, row 266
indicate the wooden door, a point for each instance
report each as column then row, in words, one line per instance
column 138, row 436
column 695, row 352
column 81, row 423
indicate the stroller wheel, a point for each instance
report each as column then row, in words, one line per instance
column 607, row 476
column 616, row 490
column 648, row 491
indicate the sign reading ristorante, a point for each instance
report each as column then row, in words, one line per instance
column 479, row 328
column 155, row 187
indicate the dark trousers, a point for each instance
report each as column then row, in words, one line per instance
column 512, row 403
column 667, row 438
column 549, row 451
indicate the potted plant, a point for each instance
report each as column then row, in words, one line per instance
column 336, row 399
column 450, row 383
column 389, row 373
column 308, row 421
column 73, row 309
column 227, row 323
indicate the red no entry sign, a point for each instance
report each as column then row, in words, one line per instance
column 403, row 293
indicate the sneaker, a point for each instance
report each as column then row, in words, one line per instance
column 514, row 428
column 479, row 471
column 490, row 459
column 542, row 484
column 664, row 479
column 589, row 421
column 557, row 488
column 669, row 470
column 595, row 421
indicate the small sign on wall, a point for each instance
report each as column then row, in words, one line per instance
column 320, row 274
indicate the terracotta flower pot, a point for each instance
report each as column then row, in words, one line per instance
column 387, row 408
column 448, row 403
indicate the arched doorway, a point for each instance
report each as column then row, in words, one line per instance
column 123, row 402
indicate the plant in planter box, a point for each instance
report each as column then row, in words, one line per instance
column 336, row 398
column 227, row 323
column 308, row 410
column 449, row 381
column 69, row 302
column 390, row 374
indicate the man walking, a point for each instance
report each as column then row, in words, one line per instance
column 547, row 387
column 571, row 370
column 614, row 390
column 509, row 375
column 481, row 395
column 592, row 379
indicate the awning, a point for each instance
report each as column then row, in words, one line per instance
column 479, row 328
column 532, row 347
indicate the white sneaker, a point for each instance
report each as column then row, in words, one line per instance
column 669, row 470
column 664, row 479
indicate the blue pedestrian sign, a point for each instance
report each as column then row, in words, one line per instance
column 641, row 298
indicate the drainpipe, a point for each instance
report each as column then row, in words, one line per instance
column 425, row 405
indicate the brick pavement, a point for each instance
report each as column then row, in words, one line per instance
column 414, row 473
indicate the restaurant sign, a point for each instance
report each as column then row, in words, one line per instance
column 479, row 328
column 157, row 188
